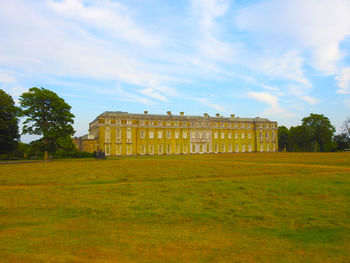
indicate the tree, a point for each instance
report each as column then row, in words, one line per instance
column 321, row 131
column 9, row 134
column 283, row 134
column 47, row 115
column 299, row 139
column 342, row 140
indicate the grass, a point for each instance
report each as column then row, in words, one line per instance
column 273, row 207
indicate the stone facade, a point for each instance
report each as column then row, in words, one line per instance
column 122, row 133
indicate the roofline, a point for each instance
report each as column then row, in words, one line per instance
column 180, row 117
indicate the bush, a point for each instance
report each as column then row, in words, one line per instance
column 73, row 154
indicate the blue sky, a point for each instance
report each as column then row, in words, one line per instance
column 277, row 59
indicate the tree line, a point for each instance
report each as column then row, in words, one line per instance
column 315, row 134
column 45, row 114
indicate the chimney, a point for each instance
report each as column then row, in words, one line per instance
column 168, row 112
column 218, row 115
column 182, row 113
column 232, row 115
column 206, row 114
column 145, row 112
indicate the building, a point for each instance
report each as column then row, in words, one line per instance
column 122, row 133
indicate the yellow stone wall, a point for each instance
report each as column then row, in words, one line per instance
column 211, row 135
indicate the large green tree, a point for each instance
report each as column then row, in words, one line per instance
column 299, row 139
column 46, row 114
column 320, row 130
column 9, row 134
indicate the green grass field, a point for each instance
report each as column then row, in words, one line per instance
column 273, row 207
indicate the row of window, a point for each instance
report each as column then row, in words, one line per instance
column 194, row 135
column 196, row 124
column 195, row 148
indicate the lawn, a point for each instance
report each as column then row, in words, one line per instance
column 256, row 207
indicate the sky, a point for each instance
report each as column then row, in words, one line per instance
column 269, row 58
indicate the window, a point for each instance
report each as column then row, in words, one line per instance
column 230, row 147
column 216, row 147
column 274, row 147
column 142, row 123
column 242, row 135
column 107, row 135
column 201, row 134
column 193, row 148
column 215, row 135
column 267, row 136
column 129, row 149
column 168, row 134
column 142, row 149
column 151, row 134
column 184, row 134
column 142, row 134
column 236, row 135
column 236, row 124
column 193, row 135
column 108, row 121
column 185, row 148
column 208, row 148
column 261, row 147
column 249, row 147
column 119, row 149
column 118, row 122
column 208, row 135
column 128, row 122
column 236, row 148
column 168, row 148
column 249, row 135
column 223, row 148
column 176, row 124
column 128, row 133
column 273, row 136
column 177, row 148
column 229, row 135
column 222, row 135
column 160, row 148
column 260, row 136
column 160, row 134
column 118, row 133
column 268, row 147
column 177, row 134
column 107, row 149
column 243, row 148
column 151, row 149
column 151, row 123
column 168, row 123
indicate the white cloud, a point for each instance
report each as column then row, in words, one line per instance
column 289, row 66
column 6, row 78
column 344, row 81
column 153, row 94
column 210, row 104
column 111, row 17
column 299, row 92
column 313, row 26
column 272, row 101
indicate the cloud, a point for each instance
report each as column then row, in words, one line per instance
column 210, row 104
column 314, row 26
column 344, row 81
column 272, row 101
column 111, row 17
column 299, row 92
column 289, row 66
